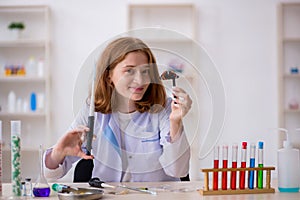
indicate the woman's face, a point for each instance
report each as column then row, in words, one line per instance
column 131, row 76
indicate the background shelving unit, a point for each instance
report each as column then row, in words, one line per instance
column 34, row 41
column 289, row 57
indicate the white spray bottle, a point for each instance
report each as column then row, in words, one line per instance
column 288, row 166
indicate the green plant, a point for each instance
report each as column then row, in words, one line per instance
column 16, row 25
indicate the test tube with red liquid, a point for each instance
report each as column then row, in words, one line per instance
column 243, row 165
column 225, row 165
column 234, row 165
column 216, row 166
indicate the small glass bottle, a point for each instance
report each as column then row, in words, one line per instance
column 41, row 187
column 23, row 188
column 28, row 187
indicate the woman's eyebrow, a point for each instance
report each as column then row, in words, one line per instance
column 131, row 66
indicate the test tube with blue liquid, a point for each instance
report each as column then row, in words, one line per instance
column 252, row 164
column 41, row 187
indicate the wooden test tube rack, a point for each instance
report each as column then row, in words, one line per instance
column 267, row 189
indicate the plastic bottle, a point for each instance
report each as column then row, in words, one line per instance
column 40, row 68
column 33, row 101
column 31, row 66
column 11, row 102
column 288, row 166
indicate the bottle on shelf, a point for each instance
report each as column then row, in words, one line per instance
column 33, row 102
column 31, row 66
column 11, row 102
column 40, row 68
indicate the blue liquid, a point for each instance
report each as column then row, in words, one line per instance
column 41, row 192
column 296, row 189
column 251, row 174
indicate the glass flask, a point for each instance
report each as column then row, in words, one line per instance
column 41, row 187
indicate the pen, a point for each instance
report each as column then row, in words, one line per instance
column 216, row 166
column 234, row 165
column 243, row 165
column 260, row 164
column 225, row 163
column 252, row 164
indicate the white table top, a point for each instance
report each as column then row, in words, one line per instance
column 166, row 190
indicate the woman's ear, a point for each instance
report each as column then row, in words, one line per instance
column 109, row 81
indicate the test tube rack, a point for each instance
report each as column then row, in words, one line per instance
column 267, row 189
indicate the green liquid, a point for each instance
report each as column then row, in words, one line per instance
column 260, row 177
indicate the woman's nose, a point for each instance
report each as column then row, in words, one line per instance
column 138, row 78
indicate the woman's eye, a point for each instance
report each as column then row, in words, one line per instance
column 130, row 71
column 146, row 71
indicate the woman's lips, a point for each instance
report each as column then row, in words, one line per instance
column 137, row 89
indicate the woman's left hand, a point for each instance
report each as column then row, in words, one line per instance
column 181, row 104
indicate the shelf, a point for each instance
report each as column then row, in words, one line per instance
column 28, row 114
column 291, row 39
column 292, row 76
column 292, row 111
column 23, row 9
column 288, row 59
column 21, row 79
column 34, row 41
column 23, row 43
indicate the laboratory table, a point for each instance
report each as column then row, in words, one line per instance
column 165, row 190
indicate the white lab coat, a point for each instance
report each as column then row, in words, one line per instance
column 149, row 154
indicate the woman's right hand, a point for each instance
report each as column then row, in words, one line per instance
column 68, row 145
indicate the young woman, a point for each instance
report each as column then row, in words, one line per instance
column 138, row 130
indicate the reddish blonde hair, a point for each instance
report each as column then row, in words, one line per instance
column 154, row 98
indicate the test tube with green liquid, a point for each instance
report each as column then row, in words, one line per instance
column 260, row 164
column 15, row 157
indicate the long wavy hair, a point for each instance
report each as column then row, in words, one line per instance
column 154, row 98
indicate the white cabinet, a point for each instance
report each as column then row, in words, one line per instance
column 289, row 69
column 16, row 75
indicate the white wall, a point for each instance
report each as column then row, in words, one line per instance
column 239, row 35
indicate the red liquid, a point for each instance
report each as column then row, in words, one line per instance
column 215, row 175
column 242, row 176
column 233, row 177
column 224, row 176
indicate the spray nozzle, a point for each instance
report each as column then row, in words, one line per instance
column 286, row 143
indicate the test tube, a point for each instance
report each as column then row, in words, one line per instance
column 225, row 163
column 260, row 164
column 252, row 164
column 243, row 165
column 15, row 157
column 216, row 166
column 234, row 165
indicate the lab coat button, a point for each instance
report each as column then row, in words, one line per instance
column 129, row 156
